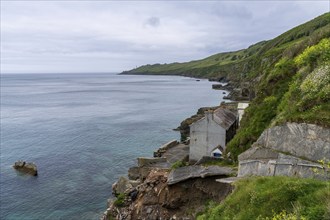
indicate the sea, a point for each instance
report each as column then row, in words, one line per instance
column 84, row 131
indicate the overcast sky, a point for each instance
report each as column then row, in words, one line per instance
column 112, row 36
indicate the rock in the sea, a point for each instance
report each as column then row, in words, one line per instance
column 24, row 167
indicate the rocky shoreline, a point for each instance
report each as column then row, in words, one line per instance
column 156, row 189
column 166, row 186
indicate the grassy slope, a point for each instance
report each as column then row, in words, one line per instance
column 294, row 87
column 274, row 198
column 217, row 65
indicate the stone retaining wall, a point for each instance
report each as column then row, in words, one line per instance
column 289, row 150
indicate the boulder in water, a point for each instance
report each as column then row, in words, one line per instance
column 24, row 167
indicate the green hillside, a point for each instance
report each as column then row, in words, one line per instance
column 289, row 75
column 293, row 84
column 218, row 65
column 248, row 62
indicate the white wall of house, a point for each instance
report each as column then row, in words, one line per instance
column 205, row 135
column 197, row 146
column 240, row 109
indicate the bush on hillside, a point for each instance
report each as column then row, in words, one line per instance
column 317, row 54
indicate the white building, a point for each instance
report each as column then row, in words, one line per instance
column 211, row 134
column 240, row 109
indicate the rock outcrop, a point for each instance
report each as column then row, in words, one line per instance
column 123, row 185
column 24, row 167
column 291, row 150
column 156, row 199
column 302, row 140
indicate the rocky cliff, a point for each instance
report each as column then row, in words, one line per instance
column 154, row 198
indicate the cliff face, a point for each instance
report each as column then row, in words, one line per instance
column 292, row 149
column 155, row 199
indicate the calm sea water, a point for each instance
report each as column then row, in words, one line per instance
column 84, row 131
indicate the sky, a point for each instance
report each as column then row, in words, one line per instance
column 58, row 36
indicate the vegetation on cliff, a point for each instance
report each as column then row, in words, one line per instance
column 297, row 89
column 216, row 66
column 267, row 198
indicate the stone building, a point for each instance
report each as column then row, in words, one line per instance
column 211, row 134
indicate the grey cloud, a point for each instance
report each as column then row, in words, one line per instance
column 152, row 21
column 232, row 11
column 114, row 36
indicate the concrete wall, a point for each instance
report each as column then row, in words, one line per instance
column 205, row 135
column 284, row 165
column 303, row 144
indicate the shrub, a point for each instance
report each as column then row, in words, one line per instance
column 307, row 99
column 284, row 216
column 317, row 54
column 120, row 201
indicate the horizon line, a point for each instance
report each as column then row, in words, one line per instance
column 8, row 73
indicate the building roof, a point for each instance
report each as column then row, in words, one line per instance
column 224, row 117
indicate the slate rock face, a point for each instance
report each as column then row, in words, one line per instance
column 302, row 140
column 24, row 167
column 289, row 150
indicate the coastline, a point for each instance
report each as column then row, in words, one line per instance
column 92, row 134
column 157, row 171
column 237, row 91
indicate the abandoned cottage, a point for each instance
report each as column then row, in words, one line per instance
column 209, row 135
